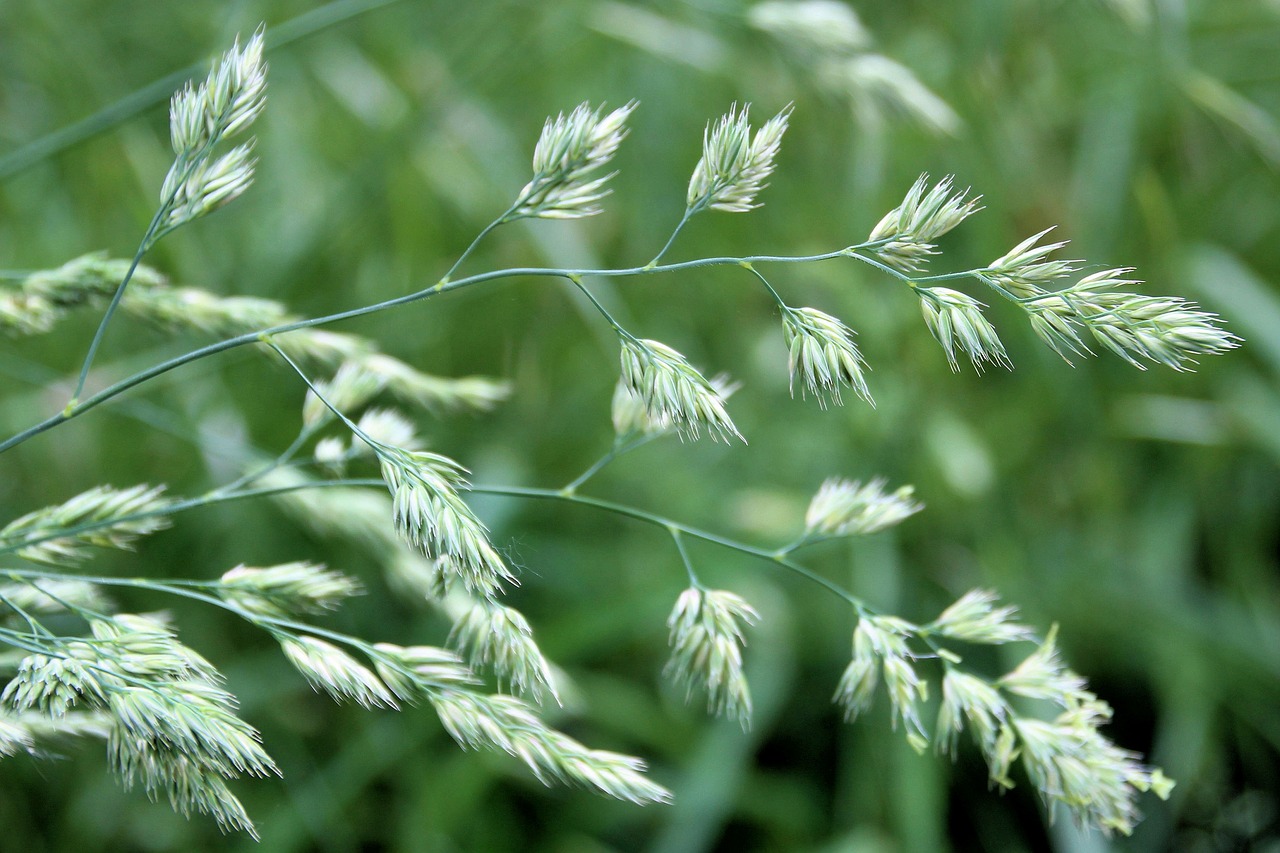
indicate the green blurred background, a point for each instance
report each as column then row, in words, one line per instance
column 1139, row 511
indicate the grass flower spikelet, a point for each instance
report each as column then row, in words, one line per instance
column 851, row 508
column 823, row 356
column 571, row 148
column 673, row 392
column 734, row 163
column 706, row 648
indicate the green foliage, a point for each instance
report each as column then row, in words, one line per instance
column 1136, row 511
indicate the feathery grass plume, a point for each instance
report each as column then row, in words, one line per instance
column 571, row 148
column 224, row 104
column 819, row 27
column 734, row 163
column 955, row 320
column 417, row 672
column 883, row 640
column 43, row 297
column 1025, row 268
column 145, row 645
column 506, row 723
column 967, row 698
column 55, row 684
column 673, row 392
column 823, row 356
column 923, row 216
column 1162, row 329
column 208, row 185
column 287, row 589
column 430, row 516
column 170, row 725
column 102, row 517
column 329, row 668
column 183, row 738
column 200, row 117
column 1043, row 675
column 54, row 595
column 974, row 618
column 491, row 634
column 706, row 649
column 435, row 393
column 630, row 417
column 881, row 88
column 1075, row 766
column 183, row 308
column 850, row 508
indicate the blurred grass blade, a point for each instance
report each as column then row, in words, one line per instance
column 157, row 92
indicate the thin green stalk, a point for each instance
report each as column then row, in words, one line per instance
column 688, row 214
column 684, row 558
column 280, row 461
column 884, row 268
column 767, row 286
column 595, row 468
column 259, row 336
column 619, row 449
column 117, row 296
column 37, row 629
column 670, row 524
column 617, row 327
column 484, row 232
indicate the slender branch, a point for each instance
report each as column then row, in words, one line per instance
column 688, row 214
column 767, row 286
column 119, row 294
column 617, row 327
column 684, row 557
column 687, row 530
column 258, row 336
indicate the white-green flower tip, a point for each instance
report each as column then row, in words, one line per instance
column 925, row 214
column 169, row 725
column 497, row 636
column 508, row 724
column 569, row 151
column 208, row 185
column 336, row 672
column 223, row 105
column 735, row 163
column 823, row 356
column 975, row 618
column 851, row 508
column 107, row 518
column 706, row 649
column 955, row 319
column 1164, row 330
column 286, row 590
column 201, row 117
column 430, row 515
column 880, row 645
column 673, row 392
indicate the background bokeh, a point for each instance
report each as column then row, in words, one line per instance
column 1140, row 511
